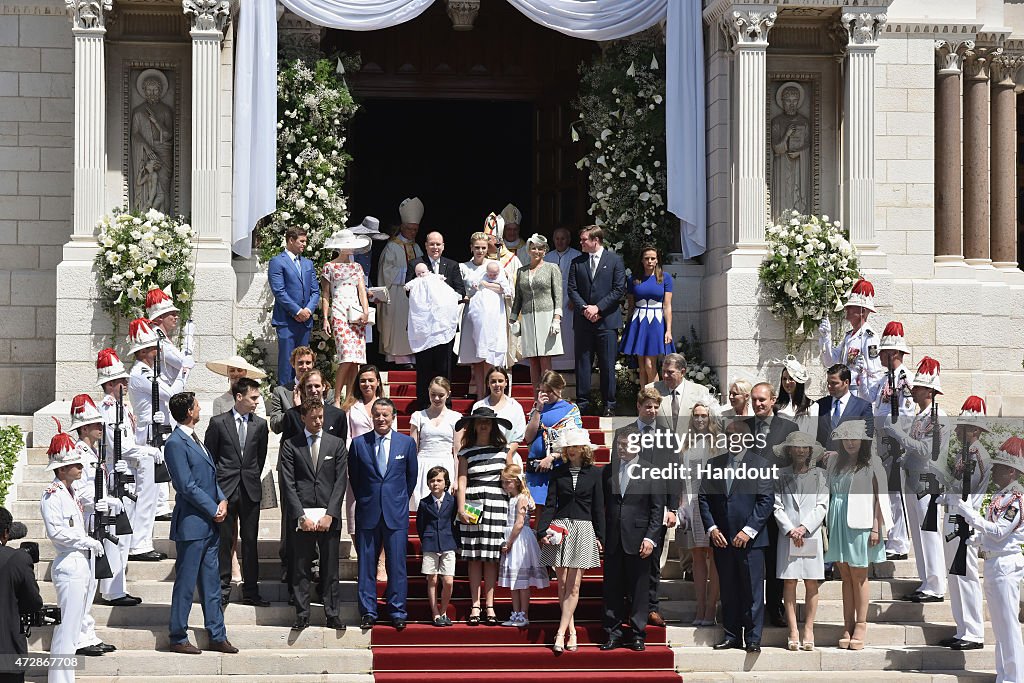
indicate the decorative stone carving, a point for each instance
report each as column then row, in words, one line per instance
column 1005, row 68
column 297, row 37
column 463, row 13
column 749, row 26
column 152, row 144
column 862, row 28
column 792, row 135
column 978, row 62
column 950, row 53
column 87, row 14
column 208, row 15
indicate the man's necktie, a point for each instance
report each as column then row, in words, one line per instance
column 241, row 432
column 298, row 266
column 382, row 456
column 623, row 478
column 314, row 449
column 734, row 464
column 437, row 267
column 438, row 501
column 593, row 265
column 198, row 442
column 836, row 405
column 675, row 408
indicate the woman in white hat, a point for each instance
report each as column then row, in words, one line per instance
column 858, row 516
column 234, row 368
column 343, row 305
column 793, row 401
column 801, row 503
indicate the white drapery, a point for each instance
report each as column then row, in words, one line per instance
column 255, row 143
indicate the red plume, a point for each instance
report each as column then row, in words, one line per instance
column 61, row 441
column 78, row 403
column 155, row 296
column 974, row 404
column 106, row 358
column 893, row 329
column 139, row 326
column 928, row 366
column 863, row 287
column 1014, row 446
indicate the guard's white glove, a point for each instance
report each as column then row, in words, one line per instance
column 101, row 507
column 556, row 328
column 158, row 456
column 188, row 362
column 121, row 467
column 189, row 333
column 114, row 505
column 92, row 545
column 825, row 328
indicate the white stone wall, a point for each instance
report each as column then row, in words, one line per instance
column 36, row 108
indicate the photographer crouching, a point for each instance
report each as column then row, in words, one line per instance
column 19, row 590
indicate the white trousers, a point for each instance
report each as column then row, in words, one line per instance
column 965, row 595
column 87, row 636
column 163, row 499
column 117, row 555
column 143, row 511
column 928, row 545
column 72, row 575
column 896, row 540
column 1002, row 592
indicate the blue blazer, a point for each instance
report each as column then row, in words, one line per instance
column 292, row 294
column 194, row 477
column 747, row 503
column 436, row 528
column 856, row 409
column 382, row 497
column 605, row 290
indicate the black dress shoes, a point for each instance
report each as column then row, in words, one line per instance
column 753, row 648
column 608, row 412
column 912, row 597
column 256, row 602
column 107, row 648
column 610, row 644
column 123, row 601
column 728, row 644
column 966, row 645
column 151, row 556
column 300, row 623
column 398, row 623
column 336, row 623
column 948, row 642
column 90, row 651
column 637, row 645
column 163, row 518
column 368, row 621
column 892, row 557
column 927, row 598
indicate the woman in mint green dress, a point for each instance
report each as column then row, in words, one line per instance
column 858, row 516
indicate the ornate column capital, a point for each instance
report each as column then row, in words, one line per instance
column 87, row 14
column 748, row 26
column 463, row 13
column 208, row 15
column 949, row 55
column 1005, row 68
column 978, row 62
column 862, row 28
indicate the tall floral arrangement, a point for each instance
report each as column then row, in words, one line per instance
column 622, row 122
column 808, row 271
column 139, row 252
column 314, row 107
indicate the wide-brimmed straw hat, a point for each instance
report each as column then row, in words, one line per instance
column 370, row 227
column 799, row 439
column 220, row 367
column 571, row 436
column 346, row 240
column 851, row 430
column 483, row 413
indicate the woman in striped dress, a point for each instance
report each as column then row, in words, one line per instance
column 481, row 462
column 575, row 503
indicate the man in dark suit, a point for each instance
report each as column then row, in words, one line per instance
column 20, row 590
column 840, row 405
column 597, row 283
column 314, row 471
column 237, row 440
column 770, row 430
column 383, row 470
column 283, row 396
column 437, row 360
column 633, row 508
column 200, row 506
column 315, row 389
column 293, row 281
column 734, row 512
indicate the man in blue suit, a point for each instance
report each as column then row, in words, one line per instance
column 296, row 291
column 597, row 283
column 382, row 468
column 840, row 406
column 735, row 511
column 199, row 509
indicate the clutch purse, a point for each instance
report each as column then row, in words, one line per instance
column 356, row 312
column 555, row 534
column 473, row 511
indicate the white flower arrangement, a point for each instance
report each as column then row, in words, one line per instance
column 138, row 252
column 810, row 267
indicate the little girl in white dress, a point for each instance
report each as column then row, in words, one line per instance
column 520, row 567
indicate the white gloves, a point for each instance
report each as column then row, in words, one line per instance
column 825, row 328
column 188, row 362
column 158, row 456
column 101, row 507
column 189, row 332
column 114, row 505
column 556, row 327
column 92, row 545
column 121, row 467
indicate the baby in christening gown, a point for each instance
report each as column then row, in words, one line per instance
column 490, row 321
column 433, row 309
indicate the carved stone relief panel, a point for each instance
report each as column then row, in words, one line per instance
column 793, row 161
column 152, row 136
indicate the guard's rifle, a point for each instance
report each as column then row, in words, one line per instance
column 892, row 445
column 933, row 489
column 961, row 529
column 122, row 525
column 121, row 479
column 157, row 428
column 100, row 520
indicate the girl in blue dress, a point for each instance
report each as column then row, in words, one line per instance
column 551, row 413
column 649, row 311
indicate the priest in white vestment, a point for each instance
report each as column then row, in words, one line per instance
column 399, row 252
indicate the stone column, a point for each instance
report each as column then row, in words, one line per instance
column 746, row 27
column 87, row 20
column 862, row 29
column 208, row 17
column 977, row 63
column 949, row 223
column 1004, row 161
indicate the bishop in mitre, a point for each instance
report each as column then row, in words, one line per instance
column 399, row 252
column 513, row 217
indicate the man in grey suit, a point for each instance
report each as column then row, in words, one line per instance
column 678, row 393
column 283, row 395
column 237, row 440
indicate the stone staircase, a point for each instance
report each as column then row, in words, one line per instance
column 900, row 641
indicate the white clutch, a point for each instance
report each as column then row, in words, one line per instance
column 356, row 312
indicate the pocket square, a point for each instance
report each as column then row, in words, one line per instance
column 328, row 457
column 399, row 457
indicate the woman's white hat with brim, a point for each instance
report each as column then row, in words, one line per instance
column 571, row 437
column 346, row 240
column 799, row 439
column 851, row 430
column 220, row 367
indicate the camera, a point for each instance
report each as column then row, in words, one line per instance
column 32, row 548
column 47, row 615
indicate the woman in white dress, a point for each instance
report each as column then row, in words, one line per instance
column 793, row 401
column 801, row 503
column 437, row 441
column 366, row 389
column 472, row 270
column 499, row 399
column 344, row 308
column 699, row 447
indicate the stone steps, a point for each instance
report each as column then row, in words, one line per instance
column 235, row 678
column 247, row 637
column 827, row 634
column 827, row 659
column 860, row 676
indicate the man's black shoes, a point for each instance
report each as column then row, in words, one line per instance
column 729, row 644
column 300, row 623
column 368, row 621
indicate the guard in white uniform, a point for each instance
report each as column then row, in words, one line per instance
column 143, row 339
column 965, row 591
column 163, row 314
column 859, row 348
column 1001, row 535
column 72, row 568
column 917, row 460
column 891, row 352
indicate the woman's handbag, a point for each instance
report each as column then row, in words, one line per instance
column 356, row 312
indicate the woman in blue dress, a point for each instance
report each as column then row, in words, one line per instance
column 649, row 311
column 550, row 414
column 858, row 517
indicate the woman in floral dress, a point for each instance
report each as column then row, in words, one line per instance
column 344, row 306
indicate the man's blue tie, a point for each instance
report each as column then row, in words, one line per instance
column 835, row 412
column 382, row 456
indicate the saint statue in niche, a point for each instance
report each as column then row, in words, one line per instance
column 152, row 145
column 791, row 152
